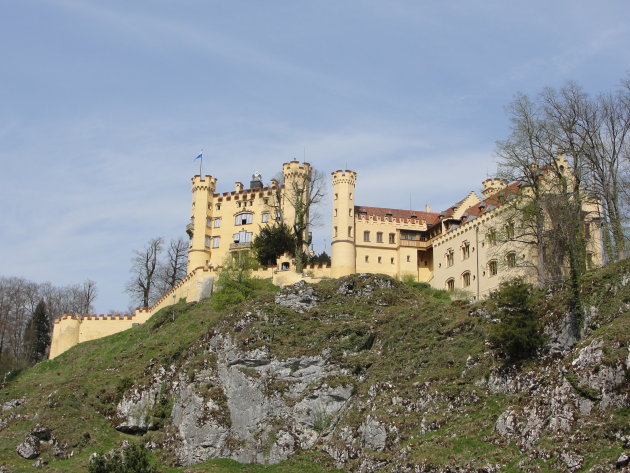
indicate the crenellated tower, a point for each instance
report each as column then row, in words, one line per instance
column 297, row 182
column 203, row 188
column 343, row 227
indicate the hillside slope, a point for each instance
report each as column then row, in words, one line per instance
column 360, row 374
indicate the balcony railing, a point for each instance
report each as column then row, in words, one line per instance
column 240, row 245
column 415, row 243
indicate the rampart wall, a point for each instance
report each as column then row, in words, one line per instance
column 71, row 329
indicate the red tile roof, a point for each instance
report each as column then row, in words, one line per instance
column 430, row 217
column 496, row 200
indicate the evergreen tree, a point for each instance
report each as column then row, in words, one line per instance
column 273, row 241
column 38, row 334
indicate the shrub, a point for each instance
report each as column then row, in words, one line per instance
column 518, row 334
column 134, row 459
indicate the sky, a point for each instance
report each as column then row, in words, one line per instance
column 105, row 103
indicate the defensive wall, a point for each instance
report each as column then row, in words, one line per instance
column 71, row 329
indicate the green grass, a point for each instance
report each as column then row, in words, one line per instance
column 398, row 348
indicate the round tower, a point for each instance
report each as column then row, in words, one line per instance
column 295, row 196
column 202, row 209
column 343, row 227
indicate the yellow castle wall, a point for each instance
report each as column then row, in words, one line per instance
column 228, row 208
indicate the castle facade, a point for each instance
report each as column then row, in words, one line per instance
column 471, row 247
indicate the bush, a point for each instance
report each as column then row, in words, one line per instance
column 134, row 459
column 519, row 333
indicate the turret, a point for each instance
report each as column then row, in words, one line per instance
column 297, row 181
column 343, row 228
column 492, row 186
column 202, row 209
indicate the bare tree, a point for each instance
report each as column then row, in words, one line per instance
column 172, row 269
column 144, row 265
column 301, row 194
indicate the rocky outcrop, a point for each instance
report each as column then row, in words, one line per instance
column 252, row 407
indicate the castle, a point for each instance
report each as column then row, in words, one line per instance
column 468, row 247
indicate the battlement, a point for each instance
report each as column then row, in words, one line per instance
column 421, row 223
column 344, row 177
column 208, row 183
column 94, row 317
column 245, row 193
column 492, row 186
column 296, row 166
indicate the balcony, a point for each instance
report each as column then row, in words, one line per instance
column 240, row 246
column 423, row 245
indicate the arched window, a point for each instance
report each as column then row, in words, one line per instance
column 510, row 259
column 466, row 279
column 492, row 268
column 450, row 284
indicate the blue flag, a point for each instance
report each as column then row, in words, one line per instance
column 198, row 157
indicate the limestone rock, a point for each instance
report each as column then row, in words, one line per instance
column 299, row 297
column 133, row 411
column 12, row 404
column 29, row 449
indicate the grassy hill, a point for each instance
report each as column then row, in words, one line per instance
column 428, row 392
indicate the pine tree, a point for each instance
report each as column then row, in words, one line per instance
column 38, row 334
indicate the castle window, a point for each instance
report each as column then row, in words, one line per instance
column 242, row 237
column 217, row 223
column 366, row 235
column 466, row 279
column 335, row 232
column 208, row 222
column 217, row 206
column 215, row 241
column 392, row 260
column 349, row 232
column 450, row 284
column 465, row 250
column 278, row 215
column 509, row 231
column 367, row 259
column 265, row 217
column 349, row 212
column 510, row 259
column 379, row 237
column 587, row 231
column 379, row 260
column 491, row 237
column 450, row 257
column 243, row 219
column 266, row 201
column 335, row 213
column 492, row 268
column 392, row 238
column 336, row 196
column 207, row 242
column 350, row 195
column 408, row 259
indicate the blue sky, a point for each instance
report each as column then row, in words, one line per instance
column 104, row 105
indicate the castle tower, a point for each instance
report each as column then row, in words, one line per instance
column 202, row 209
column 297, row 181
column 343, row 228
